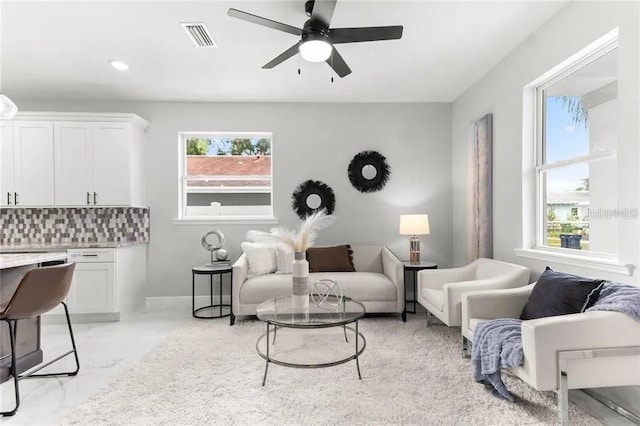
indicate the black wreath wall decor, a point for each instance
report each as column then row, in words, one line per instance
column 375, row 160
column 305, row 190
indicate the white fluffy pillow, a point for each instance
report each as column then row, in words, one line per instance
column 261, row 258
column 284, row 259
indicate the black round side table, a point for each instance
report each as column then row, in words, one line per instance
column 220, row 271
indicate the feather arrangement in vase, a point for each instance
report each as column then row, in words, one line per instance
column 299, row 240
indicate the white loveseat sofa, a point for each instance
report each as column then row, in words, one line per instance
column 575, row 351
column 378, row 282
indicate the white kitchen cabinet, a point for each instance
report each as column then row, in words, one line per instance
column 27, row 163
column 72, row 163
column 72, row 159
column 6, row 164
column 107, row 282
column 111, row 168
column 93, row 289
column 93, row 164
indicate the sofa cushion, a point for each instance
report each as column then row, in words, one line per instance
column 264, row 287
column 361, row 286
column 367, row 258
column 261, row 258
column 330, row 259
column 557, row 293
column 284, row 259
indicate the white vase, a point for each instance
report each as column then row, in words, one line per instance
column 300, row 274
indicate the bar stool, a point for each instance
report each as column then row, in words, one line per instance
column 39, row 291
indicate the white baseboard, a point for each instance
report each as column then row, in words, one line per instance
column 172, row 303
column 80, row 318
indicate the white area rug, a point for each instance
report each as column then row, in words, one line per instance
column 210, row 373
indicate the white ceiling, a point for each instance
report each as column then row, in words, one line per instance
column 60, row 50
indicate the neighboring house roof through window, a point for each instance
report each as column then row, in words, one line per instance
column 568, row 198
column 231, row 165
column 221, row 169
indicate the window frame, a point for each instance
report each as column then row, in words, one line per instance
column 541, row 167
column 182, row 217
column 534, row 208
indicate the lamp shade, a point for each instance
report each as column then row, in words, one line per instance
column 414, row 224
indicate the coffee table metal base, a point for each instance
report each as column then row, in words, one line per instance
column 359, row 349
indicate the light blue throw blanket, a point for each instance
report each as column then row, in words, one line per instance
column 497, row 343
column 620, row 298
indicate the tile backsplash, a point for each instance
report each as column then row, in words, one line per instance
column 74, row 225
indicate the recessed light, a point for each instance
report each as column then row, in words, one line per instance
column 119, row 65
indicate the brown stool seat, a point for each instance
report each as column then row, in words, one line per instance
column 40, row 290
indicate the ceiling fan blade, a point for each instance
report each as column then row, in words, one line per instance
column 338, row 64
column 264, row 22
column 322, row 13
column 354, row 35
column 283, row 56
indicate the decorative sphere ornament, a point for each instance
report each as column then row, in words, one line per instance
column 327, row 294
column 221, row 254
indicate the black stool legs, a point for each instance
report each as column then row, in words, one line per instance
column 14, row 370
column 13, row 327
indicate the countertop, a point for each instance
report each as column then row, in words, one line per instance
column 44, row 247
column 13, row 260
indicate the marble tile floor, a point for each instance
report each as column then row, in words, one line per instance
column 108, row 350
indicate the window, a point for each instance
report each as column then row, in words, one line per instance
column 225, row 176
column 576, row 166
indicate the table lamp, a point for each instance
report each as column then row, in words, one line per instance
column 414, row 225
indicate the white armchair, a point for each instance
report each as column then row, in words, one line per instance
column 440, row 290
column 585, row 350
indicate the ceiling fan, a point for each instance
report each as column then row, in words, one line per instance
column 317, row 40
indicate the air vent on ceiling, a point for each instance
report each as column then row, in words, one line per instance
column 199, row 34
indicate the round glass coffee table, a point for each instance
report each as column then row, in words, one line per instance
column 280, row 313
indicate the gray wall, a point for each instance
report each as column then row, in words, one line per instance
column 501, row 92
column 310, row 141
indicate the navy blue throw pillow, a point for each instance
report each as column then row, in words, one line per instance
column 556, row 293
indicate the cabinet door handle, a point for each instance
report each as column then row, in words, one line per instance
column 88, row 199
column 8, row 198
column 89, row 255
column 95, row 198
column 15, row 198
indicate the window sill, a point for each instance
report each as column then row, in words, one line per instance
column 597, row 263
column 238, row 220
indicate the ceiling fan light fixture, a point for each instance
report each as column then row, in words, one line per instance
column 318, row 36
column 8, row 109
column 315, row 50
